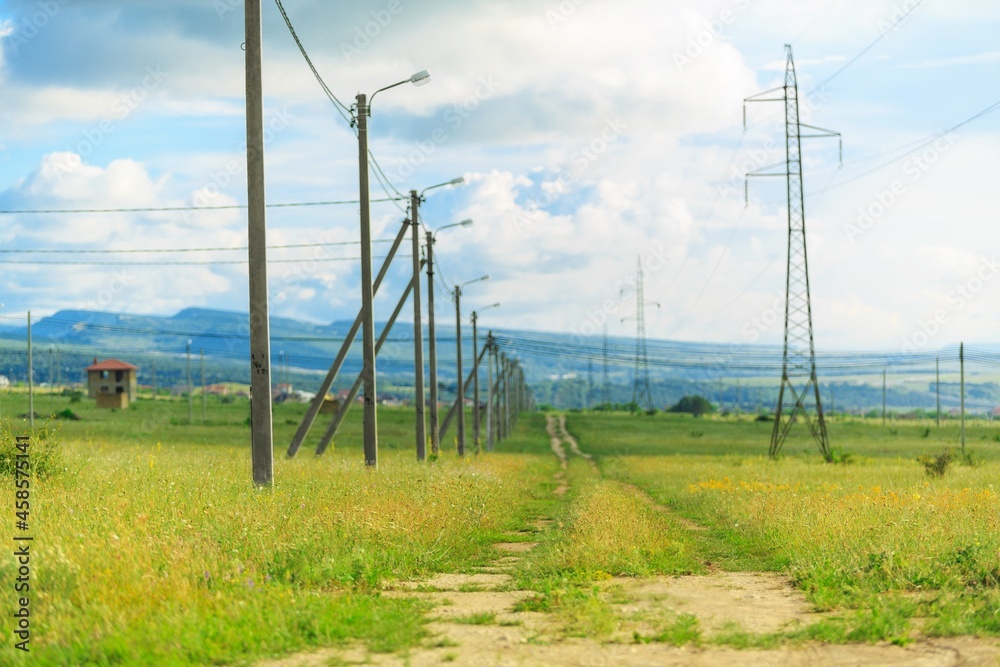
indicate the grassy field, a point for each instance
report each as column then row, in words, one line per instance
column 874, row 539
column 152, row 547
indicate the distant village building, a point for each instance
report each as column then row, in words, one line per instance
column 280, row 392
column 112, row 383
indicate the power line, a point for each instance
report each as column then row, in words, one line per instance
column 233, row 262
column 163, row 209
column 342, row 109
column 918, row 145
column 866, row 49
column 103, row 251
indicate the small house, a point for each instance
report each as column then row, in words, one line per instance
column 112, row 383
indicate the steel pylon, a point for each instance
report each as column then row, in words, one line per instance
column 642, row 394
column 799, row 393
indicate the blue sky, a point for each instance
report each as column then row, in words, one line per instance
column 590, row 133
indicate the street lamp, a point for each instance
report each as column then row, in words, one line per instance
column 418, row 336
column 367, row 318
column 460, row 399
column 475, row 373
column 431, row 335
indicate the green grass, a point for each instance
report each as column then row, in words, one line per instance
column 157, row 550
column 152, row 547
column 482, row 618
column 876, row 538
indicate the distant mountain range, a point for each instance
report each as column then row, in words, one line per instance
column 564, row 369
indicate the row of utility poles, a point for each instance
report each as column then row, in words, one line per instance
column 429, row 429
column 262, row 445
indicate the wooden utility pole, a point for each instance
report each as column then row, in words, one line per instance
column 31, row 382
column 262, row 453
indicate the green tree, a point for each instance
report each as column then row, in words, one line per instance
column 693, row 405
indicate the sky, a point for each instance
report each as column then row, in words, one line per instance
column 592, row 135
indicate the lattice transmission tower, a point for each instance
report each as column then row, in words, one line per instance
column 641, row 391
column 799, row 392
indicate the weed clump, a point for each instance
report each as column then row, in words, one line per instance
column 44, row 451
column 936, row 465
column 840, row 456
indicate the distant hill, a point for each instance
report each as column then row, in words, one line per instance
column 565, row 370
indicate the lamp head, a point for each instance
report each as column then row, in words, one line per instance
column 466, row 222
column 457, row 181
column 420, row 78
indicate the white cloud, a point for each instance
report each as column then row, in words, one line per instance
column 528, row 100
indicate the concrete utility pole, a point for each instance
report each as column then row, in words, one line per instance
column 506, row 399
column 431, row 333
column 331, row 430
column 489, row 391
column 883, row 397
column 961, row 365
column 418, row 333
column 475, row 383
column 52, row 369
column 460, row 389
column 937, row 387
column 460, row 399
column 314, row 406
column 367, row 315
column 153, row 369
column 204, row 392
column 262, row 453
column 31, row 381
column 475, row 376
column 432, row 347
column 191, row 388
column 465, row 390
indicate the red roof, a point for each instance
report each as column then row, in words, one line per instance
column 112, row 365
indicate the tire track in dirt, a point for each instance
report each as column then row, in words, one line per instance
column 573, row 445
column 555, row 441
column 474, row 621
